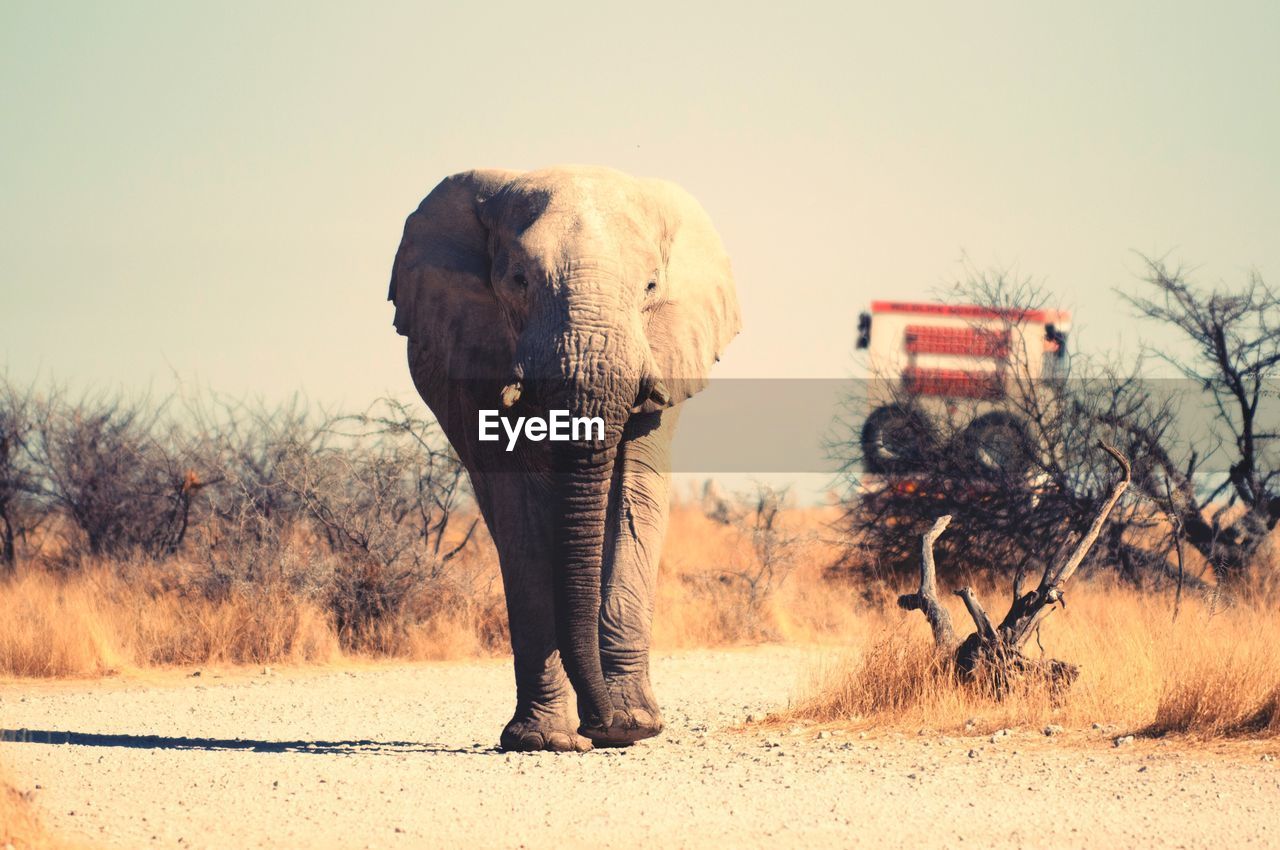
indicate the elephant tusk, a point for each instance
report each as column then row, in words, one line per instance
column 660, row 394
column 651, row 390
column 511, row 394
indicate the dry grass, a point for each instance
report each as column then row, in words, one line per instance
column 1211, row 673
column 96, row 622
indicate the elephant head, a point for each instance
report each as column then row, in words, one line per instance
column 573, row 288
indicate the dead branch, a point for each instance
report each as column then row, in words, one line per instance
column 466, row 538
column 997, row 652
column 1086, row 543
column 926, row 599
column 977, row 613
column 1026, row 613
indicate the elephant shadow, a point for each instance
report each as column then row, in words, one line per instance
column 162, row 742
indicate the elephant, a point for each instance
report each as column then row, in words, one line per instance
column 579, row 289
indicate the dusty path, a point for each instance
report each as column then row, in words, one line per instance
column 402, row 757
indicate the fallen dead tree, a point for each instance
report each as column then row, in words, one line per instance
column 994, row 654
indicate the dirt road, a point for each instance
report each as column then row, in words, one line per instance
column 403, row 757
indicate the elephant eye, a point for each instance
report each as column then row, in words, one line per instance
column 653, row 285
column 521, row 281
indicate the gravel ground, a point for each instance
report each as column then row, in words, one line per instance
column 403, row 757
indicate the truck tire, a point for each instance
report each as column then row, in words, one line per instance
column 998, row 446
column 896, row 439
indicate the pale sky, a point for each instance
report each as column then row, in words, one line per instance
column 216, row 190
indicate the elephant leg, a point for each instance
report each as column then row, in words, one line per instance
column 638, row 511
column 516, row 510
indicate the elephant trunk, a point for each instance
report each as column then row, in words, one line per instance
column 583, row 477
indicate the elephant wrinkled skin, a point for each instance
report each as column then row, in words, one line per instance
column 579, row 289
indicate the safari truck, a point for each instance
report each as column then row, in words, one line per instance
column 946, row 377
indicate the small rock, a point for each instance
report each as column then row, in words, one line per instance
column 823, row 735
column 973, row 754
column 1097, row 726
column 998, row 734
column 1123, row 740
column 751, row 718
column 195, row 674
column 970, row 724
column 1265, row 757
column 1053, row 729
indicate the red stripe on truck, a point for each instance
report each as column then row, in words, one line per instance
column 968, row 311
column 953, row 383
column 970, row 342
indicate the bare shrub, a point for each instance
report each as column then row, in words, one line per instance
column 20, row 511
column 251, row 529
column 114, row 469
column 379, row 490
column 1235, row 358
column 761, row 557
column 357, row 514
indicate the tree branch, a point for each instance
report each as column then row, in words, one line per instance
column 980, row 619
column 1054, row 580
column 1025, row 615
column 926, row 599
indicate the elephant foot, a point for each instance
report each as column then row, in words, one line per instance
column 536, row 734
column 625, row 727
column 635, row 716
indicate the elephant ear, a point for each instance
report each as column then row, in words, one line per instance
column 698, row 315
column 440, row 286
